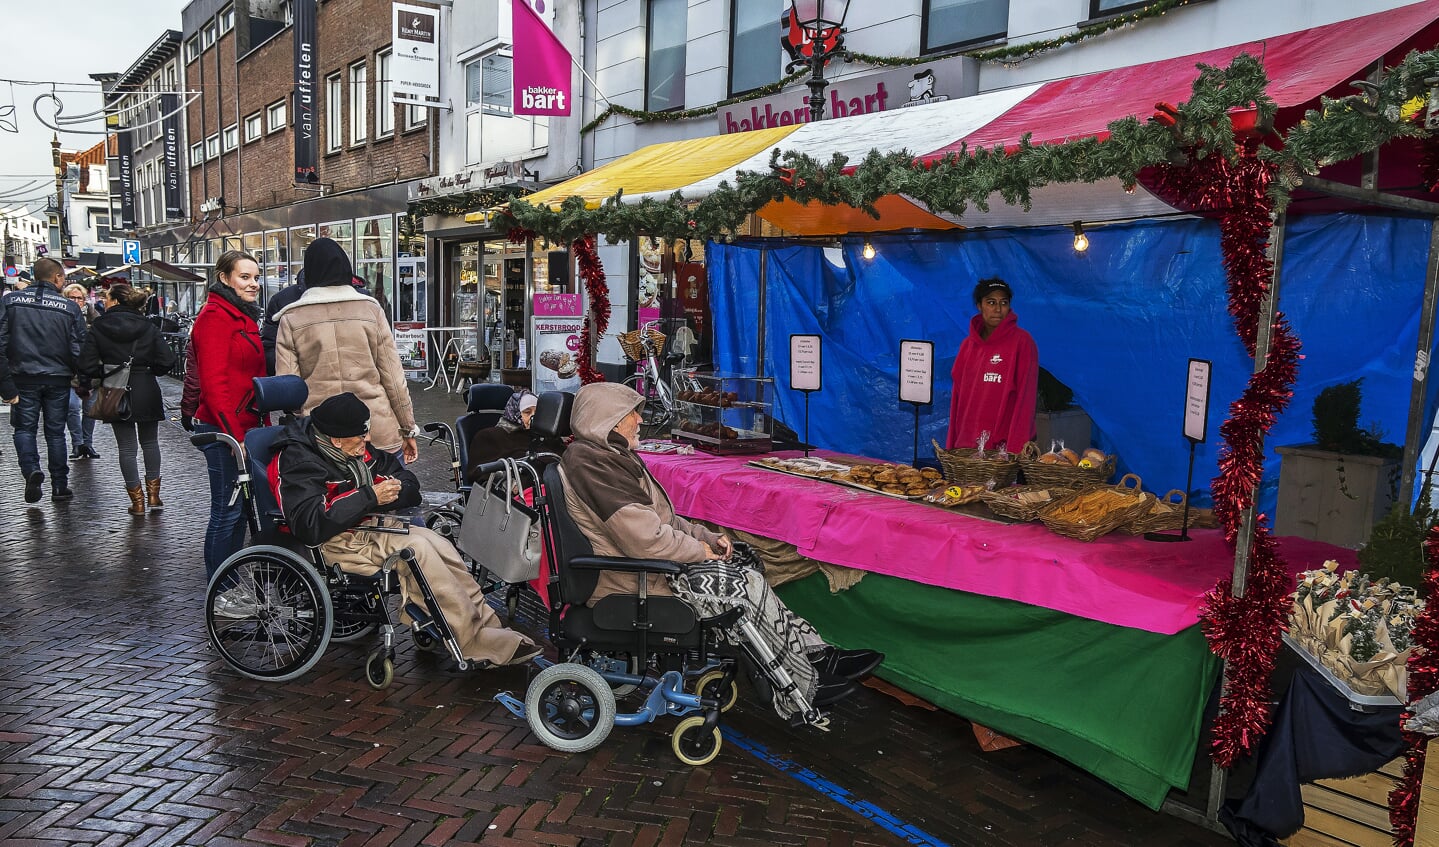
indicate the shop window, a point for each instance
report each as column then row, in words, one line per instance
column 342, row 233
column 254, row 127
column 375, row 260
column 300, row 238
column 359, row 103
column 1105, row 8
column 384, row 109
column 665, row 55
column 754, row 48
column 275, row 259
column 952, row 23
column 334, row 114
column 275, row 116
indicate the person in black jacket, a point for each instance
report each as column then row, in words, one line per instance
column 40, row 336
column 123, row 333
column 327, row 481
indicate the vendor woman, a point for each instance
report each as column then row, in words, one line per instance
column 996, row 376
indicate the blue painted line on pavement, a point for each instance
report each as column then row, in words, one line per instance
column 911, row 834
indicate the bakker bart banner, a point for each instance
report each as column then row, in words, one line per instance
column 541, row 64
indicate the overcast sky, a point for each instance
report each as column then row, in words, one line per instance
column 63, row 42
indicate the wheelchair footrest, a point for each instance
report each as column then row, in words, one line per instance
column 420, row 616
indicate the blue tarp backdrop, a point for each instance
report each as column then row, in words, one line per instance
column 1117, row 324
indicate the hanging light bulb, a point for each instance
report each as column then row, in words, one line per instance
column 1081, row 241
column 868, row 249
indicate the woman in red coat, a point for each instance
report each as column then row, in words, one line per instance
column 228, row 356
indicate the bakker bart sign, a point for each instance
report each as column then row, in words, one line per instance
column 919, row 85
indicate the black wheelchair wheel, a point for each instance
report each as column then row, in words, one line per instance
column 268, row 614
column 570, row 708
column 427, row 642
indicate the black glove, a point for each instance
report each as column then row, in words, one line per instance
column 188, row 423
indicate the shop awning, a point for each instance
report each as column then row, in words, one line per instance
column 158, row 269
column 1301, row 66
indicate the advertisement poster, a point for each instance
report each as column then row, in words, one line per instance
column 557, row 346
column 410, row 342
column 541, row 66
column 415, row 63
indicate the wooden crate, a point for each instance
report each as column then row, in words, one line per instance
column 1351, row 812
column 1426, row 829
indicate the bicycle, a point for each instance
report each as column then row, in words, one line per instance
column 642, row 347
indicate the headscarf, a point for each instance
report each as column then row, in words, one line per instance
column 518, row 403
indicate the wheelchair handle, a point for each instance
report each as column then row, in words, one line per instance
column 478, row 471
column 204, row 439
column 434, row 427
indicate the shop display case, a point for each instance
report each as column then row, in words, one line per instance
column 723, row 413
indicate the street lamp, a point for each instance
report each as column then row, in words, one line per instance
column 816, row 35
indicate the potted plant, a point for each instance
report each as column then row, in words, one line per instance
column 1337, row 488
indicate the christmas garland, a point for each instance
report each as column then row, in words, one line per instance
column 597, row 305
column 1423, row 680
column 644, row 116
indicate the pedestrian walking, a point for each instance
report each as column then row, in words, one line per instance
column 120, row 336
column 228, row 356
column 40, row 337
column 81, row 426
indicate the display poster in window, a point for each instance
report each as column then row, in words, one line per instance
column 1196, row 401
column 410, row 270
column 916, row 372
column 411, row 343
column 415, row 63
column 806, row 369
column 557, row 353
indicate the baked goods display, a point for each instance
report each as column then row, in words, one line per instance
column 1064, row 466
column 899, row 480
column 812, row 467
column 714, row 429
column 708, row 397
column 954, row 495
column 1092, row 457
column 722, row 414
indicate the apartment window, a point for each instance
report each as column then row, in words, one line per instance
column 487, row 85
column 101, row 225
column 197, row 154
column 665, row 55
column 1104, row 8
column 359, row 103
column 231, row 137
column 227, row 19
column 416, row 116
column 384, row 109
column 754, row 51
column 212, row 147
column 192, row 49
column 492, row 130
column 275, row 116
column 254, row 127
column 334, row 113
column 207, row 35
column 951, row 23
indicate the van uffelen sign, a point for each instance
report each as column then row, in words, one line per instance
column 918, row 85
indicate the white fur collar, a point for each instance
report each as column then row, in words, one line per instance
column 326, row 294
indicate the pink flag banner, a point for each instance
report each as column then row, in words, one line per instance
column 541, row 65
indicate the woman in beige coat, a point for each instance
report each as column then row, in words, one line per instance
column 336, row 338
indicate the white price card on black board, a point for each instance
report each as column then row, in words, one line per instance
column 916, row 372
column 806, row 367
column 1196, row 401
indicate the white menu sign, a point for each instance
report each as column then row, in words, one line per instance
column 916, row 372
column 1196, row 401
column 806, row 370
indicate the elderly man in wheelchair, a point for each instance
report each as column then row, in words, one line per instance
column 329, row 483
column 624, row 512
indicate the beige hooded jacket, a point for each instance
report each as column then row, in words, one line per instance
column 618, row 505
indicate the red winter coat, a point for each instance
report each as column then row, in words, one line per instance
column 228, row 355
column 996, row 385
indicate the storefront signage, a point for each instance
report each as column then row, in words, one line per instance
column 410, row 343
column 125, row 179
column 916, row 372
column 1196, row 401
column 307, row 53
column 557, row 305
column 920, row 85
column 415, row 66
column 541, row 66
column 806, row 370
column 170, row 129
column 437, row 186
column 557, row 353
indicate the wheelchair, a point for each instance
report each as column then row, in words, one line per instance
column 685, row 666
column 273, row 608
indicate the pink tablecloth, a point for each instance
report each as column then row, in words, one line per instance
column 1119, row 578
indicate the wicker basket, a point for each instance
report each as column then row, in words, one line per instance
column 1063, row 475
column 1006, row 503
column 962, row 467
column 1166, row 514
column 1091, row 512
column 632, row 343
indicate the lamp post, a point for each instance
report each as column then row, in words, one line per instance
column 816, row 35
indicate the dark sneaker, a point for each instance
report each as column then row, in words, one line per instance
column 848, row 664
column 78, row 452
column 60, row 492
column 32, row 487
column 89, row 452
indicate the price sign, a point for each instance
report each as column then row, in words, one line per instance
column 1196, row 401
column 806, row 369
column 916, row 371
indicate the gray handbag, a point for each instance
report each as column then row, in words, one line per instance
column 498, row 532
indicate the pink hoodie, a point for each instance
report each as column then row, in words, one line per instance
column 996, row 381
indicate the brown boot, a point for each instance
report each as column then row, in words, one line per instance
column 152, row 489
column 137, row 500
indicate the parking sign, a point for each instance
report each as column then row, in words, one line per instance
column 131, row 250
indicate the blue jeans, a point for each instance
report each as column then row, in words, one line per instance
column 82, row 429
column 52, row 401
column 225, row 534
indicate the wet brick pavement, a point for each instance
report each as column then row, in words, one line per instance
column 119, row 725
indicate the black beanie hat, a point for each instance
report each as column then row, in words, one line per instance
column 341, row 416
column 326, row 264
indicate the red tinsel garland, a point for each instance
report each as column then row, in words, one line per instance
column 598, row 304
column 1244, row 631
column 1423, row 680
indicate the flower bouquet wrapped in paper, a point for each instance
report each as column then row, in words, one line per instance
column 1356, row 628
